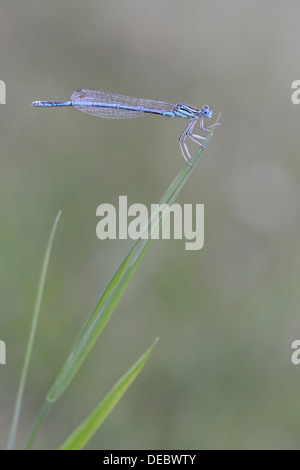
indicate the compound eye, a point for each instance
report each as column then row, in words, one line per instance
column 206, row 111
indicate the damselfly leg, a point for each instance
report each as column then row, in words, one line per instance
column 188, row 133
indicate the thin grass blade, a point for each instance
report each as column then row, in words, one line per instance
column 109, row 299
column 112, row 294
column 35, row 316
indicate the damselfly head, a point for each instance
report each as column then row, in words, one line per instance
column 206, row 111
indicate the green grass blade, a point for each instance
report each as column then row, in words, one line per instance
column 42, row 415
column 36, row 311
column 107, row 302
column 83, row 433
column 112, row 294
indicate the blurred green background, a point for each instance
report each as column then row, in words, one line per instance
column 221, row 375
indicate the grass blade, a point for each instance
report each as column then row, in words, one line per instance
column 83, row 433
column 36, row 311
column 107, row 302
column 112, row 294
